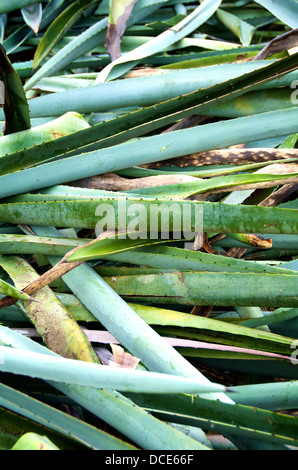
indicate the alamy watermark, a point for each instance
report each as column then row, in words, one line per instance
column 157, row 220
column 294, row 358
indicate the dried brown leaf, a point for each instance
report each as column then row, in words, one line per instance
column 284, row 42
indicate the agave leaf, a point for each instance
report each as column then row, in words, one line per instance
column 247, row 421
column 32, row 15
column 204, row 171
column 59, row 331
column 121, row 94
column 222, row 289
column 3, row 21
column 20, row 361
column 217, row 217
column 269, row 396
column 201, row 14
column 133, row 333
column 150, row 149
column 14, row 425
column 56, row 420
column 86, row 42
column 213, row 330
column 243, row 30
column 137, row 425
column 286, row 11
column 281, row 314
column 65, row 125
column 141, row 117
column 14, row 40
column 32, row 441
column 29, row 244
column 59, row 27
column 188, row 260
column 10, row 290
column 16, row 110
column 6, row 7
column 119, row 12
column 183, row 190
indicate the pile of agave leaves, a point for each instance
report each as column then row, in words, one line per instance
column 118, row 331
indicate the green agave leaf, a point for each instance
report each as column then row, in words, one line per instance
column 6, row 7
column 29, row 244
column 19, row 361
column 189, row 24
column 286, row 11
column 213, row 330
column 150, row 149
column 243, row 30
column 16, row 108
column 187, row 189
column 115, row 243
column 211, row 58
column 14, row 40
column 122, row 322
column 235, row 420
column 8, row 289
column 270, row 396
column 3, row 22
column 51, row 319
column 279, row 315
column 119, row 94
column 182, row 259
column 217, row 217
column 59, row 27
column 201, row 172
column 137, row 425
column 145, row 120
column 32, row 15
column 87, row 41
column 63, row 423
column 222, row 289
column 32, row 441
column 14, row 425
column 261, row 101
column 64, row 125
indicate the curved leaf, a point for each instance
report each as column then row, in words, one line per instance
column 32, row 15
column 12, row 291
column 16, row 110
column 201, row 14
column 59, row 28
column 286, row 10
column 32, row 441
column 239, row 27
